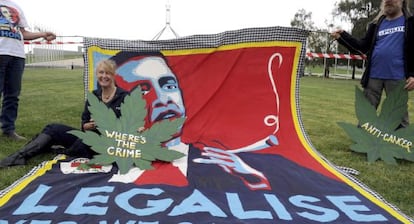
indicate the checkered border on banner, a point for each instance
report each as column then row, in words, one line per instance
column 261, row 34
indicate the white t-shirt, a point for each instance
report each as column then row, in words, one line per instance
column 11, row 20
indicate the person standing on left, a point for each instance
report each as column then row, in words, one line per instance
column 13, row 32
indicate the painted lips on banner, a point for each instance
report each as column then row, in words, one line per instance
column 246, row 157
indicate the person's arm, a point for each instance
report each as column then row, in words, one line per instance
column 28, row 35
column 87, row 123
column 345, row 39
column 359, row 46
column 409, row 53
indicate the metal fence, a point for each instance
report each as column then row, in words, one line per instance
column 67, row 51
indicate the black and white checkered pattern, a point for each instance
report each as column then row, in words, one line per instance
column 248, row 35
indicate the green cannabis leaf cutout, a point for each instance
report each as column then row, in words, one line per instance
column 378, row 135
column 120, row 142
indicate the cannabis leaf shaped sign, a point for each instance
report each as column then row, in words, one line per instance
column 120, row 142
column 379, row 135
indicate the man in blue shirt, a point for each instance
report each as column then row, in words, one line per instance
column 387, row 44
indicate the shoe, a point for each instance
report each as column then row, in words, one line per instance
column 14, row 136
column 34, row 147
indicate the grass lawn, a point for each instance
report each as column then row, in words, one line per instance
column 324, row 102
column 56, row 95
column 48, row 95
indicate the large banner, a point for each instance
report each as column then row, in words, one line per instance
column 247, row 158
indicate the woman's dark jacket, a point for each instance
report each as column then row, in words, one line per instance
column 114, row 104
column 366, row 46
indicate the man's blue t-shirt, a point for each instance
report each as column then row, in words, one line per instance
column 388, row 56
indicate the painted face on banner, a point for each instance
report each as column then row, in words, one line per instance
column 9, row 14
column 159, row 87
column 5, row 13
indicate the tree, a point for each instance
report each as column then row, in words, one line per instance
column 318, row 39
column 303, row 20
column 359, row 13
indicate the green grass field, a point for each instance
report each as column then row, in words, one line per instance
column 56, row 95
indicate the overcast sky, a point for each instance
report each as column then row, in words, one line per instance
column 143, row 19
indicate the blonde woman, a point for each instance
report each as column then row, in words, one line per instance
column 56, row 134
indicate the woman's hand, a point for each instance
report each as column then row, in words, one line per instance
column 91, row 125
